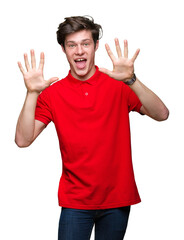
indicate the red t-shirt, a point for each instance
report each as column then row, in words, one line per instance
column 92, row 122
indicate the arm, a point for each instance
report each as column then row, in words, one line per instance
column 123, row 69
column 27, row 127
column 152, row 105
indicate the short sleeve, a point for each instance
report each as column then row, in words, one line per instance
column 43, row 111
column 134, row 104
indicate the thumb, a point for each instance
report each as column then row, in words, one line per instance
column 106, row 71
column 52, row 80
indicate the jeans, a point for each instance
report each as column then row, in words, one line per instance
column 77, row 224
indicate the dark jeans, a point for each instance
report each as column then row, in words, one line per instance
column 77, row 224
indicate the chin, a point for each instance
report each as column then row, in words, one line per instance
column 83, row 73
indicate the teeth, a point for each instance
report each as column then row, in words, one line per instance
column 79, row 60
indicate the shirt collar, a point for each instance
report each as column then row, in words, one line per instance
column 92, row 80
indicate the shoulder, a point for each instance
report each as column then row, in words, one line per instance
column 111, row 81
column 53, row 87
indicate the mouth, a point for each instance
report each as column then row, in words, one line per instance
column 81, row 63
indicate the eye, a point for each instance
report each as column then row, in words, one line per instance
column 86, row 44
column 71, row 45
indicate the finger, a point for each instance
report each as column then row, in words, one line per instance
column 33, row 60
column 21, row 68
column 109, row 52
column 52, row 80
column 135, row 55
column 118, row 49
column 26, row 62
column 125, row 48
column 42, row 58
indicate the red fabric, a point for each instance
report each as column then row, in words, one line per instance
column 92, row 122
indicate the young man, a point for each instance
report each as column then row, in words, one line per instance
column 90, row 109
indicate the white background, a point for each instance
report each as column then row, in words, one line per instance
column 29, row 177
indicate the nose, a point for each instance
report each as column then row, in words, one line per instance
column 79, row 50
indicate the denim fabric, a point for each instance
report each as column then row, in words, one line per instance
column 77, row 224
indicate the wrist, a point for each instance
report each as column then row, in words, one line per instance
column 33, row 93
column 131, row 81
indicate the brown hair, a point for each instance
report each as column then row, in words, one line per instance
column 78, row 23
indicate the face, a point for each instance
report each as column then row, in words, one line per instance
column 80, row 52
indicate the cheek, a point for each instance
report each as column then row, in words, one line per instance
column 92, row 56
column 69, row 54
column 69, row 57
column 91, row 53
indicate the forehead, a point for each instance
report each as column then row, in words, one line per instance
column 79, row 36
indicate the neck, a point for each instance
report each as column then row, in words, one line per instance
column 84, row 76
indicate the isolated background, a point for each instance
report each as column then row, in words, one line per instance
column 29, row 177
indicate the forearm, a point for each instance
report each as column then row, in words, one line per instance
column 26, row 121
column 153, row 106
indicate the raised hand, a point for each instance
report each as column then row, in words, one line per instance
column 33, row 77
column 123, row 67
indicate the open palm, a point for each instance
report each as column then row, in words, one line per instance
column 33, row 77
column 123, row 67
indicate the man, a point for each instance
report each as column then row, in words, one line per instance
column 90, row 109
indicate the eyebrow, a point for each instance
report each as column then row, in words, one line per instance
column 87, row 39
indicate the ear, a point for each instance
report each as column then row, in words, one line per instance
column 62, row 48
column 97, row 45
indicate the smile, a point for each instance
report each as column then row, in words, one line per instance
column 80, row 60
column 80, row 63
